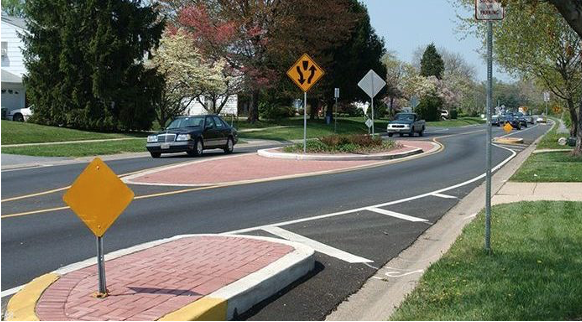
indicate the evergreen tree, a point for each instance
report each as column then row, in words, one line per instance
column 432, row 63
column 85, row 63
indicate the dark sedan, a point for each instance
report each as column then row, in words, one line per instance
column 193, row 135
column 513, row 121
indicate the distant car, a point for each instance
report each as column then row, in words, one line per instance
column 19, row 114
column 193, row 135
column 540, row 120
column 513, row 121
column 522, row 119
column 406, row 123
column 495, row 120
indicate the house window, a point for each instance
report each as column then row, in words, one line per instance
column 4, row 49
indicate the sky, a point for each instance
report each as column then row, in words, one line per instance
column 408, row 24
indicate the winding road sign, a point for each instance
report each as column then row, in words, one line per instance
column 305, row 72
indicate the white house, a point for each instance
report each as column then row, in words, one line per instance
column 13, row 92
column 230, row 108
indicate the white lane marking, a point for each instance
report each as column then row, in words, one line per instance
column 245, row 230
column 440, row 195
column 395, row 214
column 345, row 212
column 320, row 247
column 470, row 216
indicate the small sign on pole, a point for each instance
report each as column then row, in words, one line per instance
column 372, row 84
column 336, row 96
column 98, row 197
column 414, row 102
column 305, row 73
column 489, row 10
column 546, row 97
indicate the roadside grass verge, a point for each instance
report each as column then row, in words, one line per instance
column 533, row 274
column 550, row 140
column 21, row 132
column 550, row 167
column 80, row 149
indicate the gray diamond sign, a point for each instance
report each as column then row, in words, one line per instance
column 372, row 84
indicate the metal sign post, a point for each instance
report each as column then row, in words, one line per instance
column 101, row 267
column 304, row 122
column 336, row 95
column 98, row 197
column 546, row 100
column 372, row 84
column 305, row 73
column 489, row 10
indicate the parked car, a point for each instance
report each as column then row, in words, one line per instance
column 406, row 123
column 193, row 135
column 19, row 114
column 522, row 119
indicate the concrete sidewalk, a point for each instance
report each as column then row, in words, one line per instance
column 530, row 191
column 191, row 277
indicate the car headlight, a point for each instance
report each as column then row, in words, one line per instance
column 152, row 138
column 183, row 137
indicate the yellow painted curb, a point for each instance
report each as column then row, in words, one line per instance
column 508, row 140
column 204, row 309
column 21, row 306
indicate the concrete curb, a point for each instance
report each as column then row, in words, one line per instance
column 551, row 150
column 508, row 140
column 271, row 153
column 223, row 304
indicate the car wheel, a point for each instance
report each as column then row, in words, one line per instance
column 229, row 148
column 390, row 134
column 421, row 133
column 18, row 117
column 401, row 134
column 155, row 155
column 411, row 134
column 525, row 125
column 198, row 147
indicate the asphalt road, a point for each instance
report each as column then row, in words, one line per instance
column 39, row 243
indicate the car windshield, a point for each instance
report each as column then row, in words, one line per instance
column 405, row 117
column 194, row 121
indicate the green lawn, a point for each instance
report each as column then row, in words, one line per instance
column 534, row 272
column 550, row 140
column 19, row 132
column 80, row 149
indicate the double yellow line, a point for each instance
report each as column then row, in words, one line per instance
column 175, row 192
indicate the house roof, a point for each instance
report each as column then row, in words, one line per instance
column 15, row 21
column 8, row 77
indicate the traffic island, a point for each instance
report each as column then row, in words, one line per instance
column 191, row 277
column 266, row 166
column 508, row 140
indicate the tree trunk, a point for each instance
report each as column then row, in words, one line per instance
column 330, row 108
column 573, row 117
column 254, row 108
column 314, row 109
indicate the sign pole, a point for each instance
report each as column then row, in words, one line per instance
column 489, row 135
column 304, row 122
column 372, row 105
column 335, row 117
column 101, row 267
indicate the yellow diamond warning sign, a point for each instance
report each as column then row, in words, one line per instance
column 507, row 127
column 98, row 197
column 305, row 72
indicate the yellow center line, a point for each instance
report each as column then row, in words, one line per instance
column 175, row 192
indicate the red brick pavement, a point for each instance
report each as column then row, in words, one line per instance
column 252, row 167
column 154, row 282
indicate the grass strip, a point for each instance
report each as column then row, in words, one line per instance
column 80, row 149
column 21, row 132
column 533, row 274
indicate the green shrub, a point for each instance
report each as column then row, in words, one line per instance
column 345, row 144
column 271, row 111
column 429, row 108
column 454, row 114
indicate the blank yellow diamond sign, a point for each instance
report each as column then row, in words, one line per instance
column 98, row 197
column 507, row 127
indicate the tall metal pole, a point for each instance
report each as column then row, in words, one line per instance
column 335, row 117
column 304, row 122
column 489, row 135
column 372, row 104
column 101, row 267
